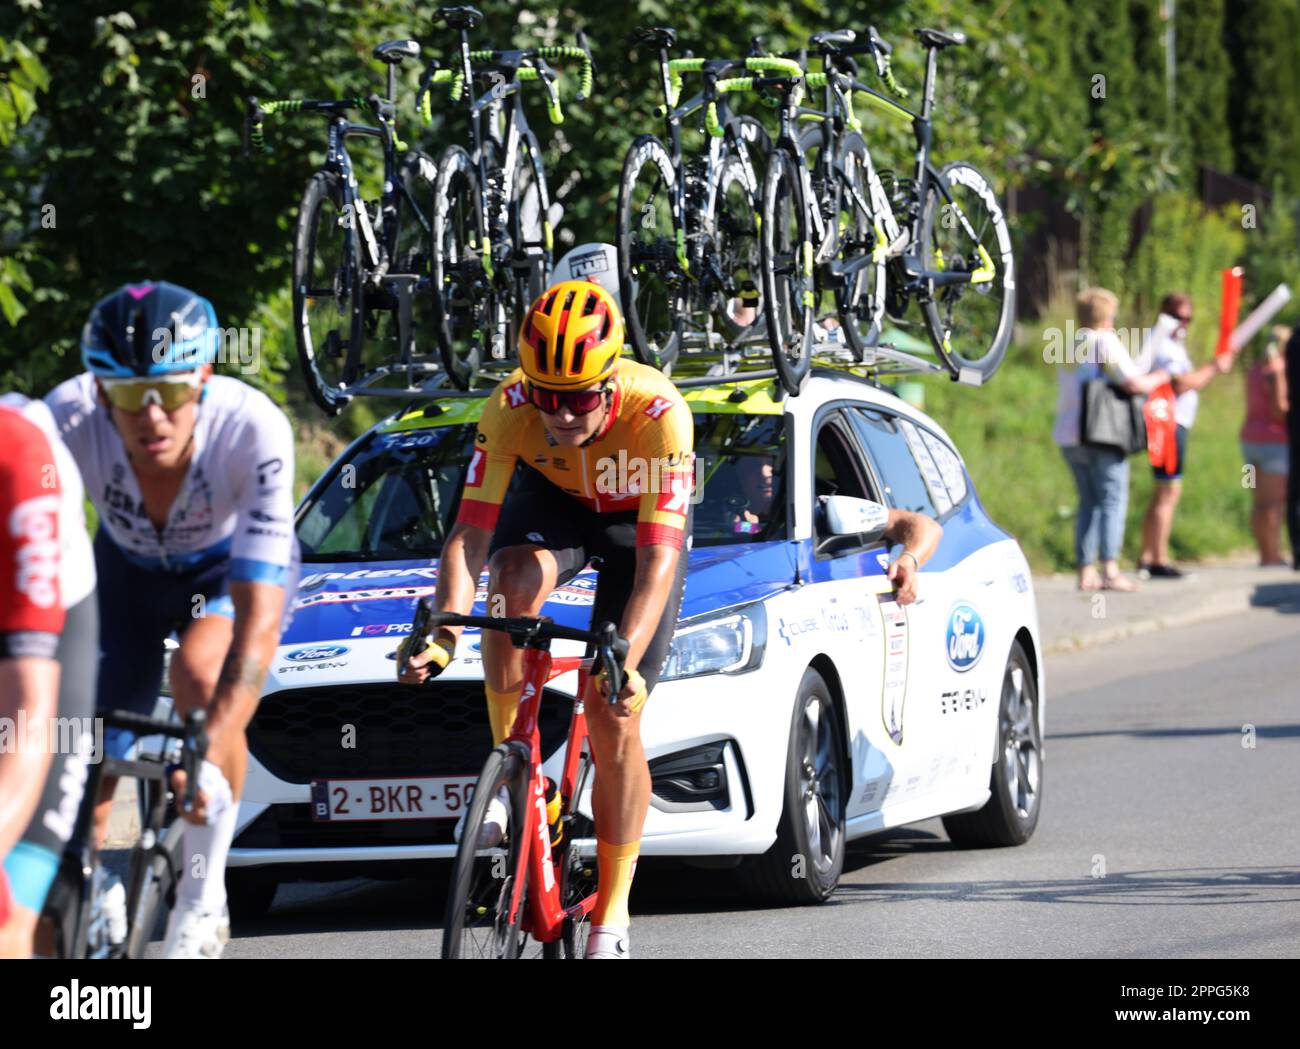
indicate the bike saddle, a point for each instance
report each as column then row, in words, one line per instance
column 657, row 38
column 833, row 39
column 940, row 39
column 461, row 17
column 394, row 52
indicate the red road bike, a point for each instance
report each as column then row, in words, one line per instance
column 532, row 894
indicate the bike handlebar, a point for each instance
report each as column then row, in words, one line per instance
column 257, row 110
column 454, row 78
column 611, row 650
column 192, row 733
column 789, row 74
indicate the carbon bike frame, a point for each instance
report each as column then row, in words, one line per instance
column 545, row 919
column 673, row 117
column 837, row 103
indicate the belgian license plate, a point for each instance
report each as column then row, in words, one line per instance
column 437, row 797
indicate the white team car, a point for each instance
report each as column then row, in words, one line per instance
column 801, row 707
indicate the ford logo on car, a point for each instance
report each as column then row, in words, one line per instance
column 306, row 655
column 965, row 641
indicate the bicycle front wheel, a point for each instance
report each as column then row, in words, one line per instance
column 327, row 292
column 153, row 873
column 482, row 918
column 789, row 291
column 970, row 323
column 651, row 254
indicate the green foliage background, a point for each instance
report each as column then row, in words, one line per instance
column 120, row 153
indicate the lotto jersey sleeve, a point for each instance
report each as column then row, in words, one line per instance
column 31, row 609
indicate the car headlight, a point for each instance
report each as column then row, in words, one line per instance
column 727, row 644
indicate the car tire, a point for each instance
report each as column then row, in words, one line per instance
column 1016, row 780
column 249, row 893
column 804, row 865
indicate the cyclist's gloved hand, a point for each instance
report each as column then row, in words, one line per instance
column 212, row 798
column 425, row 665
column 633, row 696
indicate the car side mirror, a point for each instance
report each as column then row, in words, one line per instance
column 847, row 515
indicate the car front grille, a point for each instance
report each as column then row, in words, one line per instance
column 382, row 730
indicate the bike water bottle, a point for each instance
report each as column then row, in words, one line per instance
column 554, row 803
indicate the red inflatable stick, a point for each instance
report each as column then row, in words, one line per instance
column 1229, row 307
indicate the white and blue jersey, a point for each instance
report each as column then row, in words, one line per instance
column 235, row 505
column 231, row 521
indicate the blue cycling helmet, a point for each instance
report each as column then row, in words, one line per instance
column 149, row 329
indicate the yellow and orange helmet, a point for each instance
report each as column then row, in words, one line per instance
column 571, row 337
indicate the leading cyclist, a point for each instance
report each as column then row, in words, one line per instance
column 47, row 661
column 192, row 475
column 569, row 414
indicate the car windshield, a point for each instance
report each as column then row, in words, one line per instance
column 396, row 497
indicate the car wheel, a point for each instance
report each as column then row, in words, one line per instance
column 805, row 863
column 1016, row 781
column 249, row 893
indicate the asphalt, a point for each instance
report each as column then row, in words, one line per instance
column 1168, row 826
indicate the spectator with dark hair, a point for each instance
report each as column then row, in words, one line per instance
column 1169, row 354
column 1264, row 444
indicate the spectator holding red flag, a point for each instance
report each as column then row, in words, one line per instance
column 1168, row 430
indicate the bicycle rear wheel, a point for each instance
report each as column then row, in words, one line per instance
column 651, row 249
column 410, row 248
column 736, row 253
column 327, row 294
column 462, row 291
column 530, row 229
column 789, row 291
column 970, row 324
column 478, row 922
column 577, row 874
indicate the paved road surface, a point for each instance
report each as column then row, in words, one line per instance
column 1146, row 783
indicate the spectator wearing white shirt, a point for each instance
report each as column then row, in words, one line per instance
column 1169, row 355
column 1100, row 473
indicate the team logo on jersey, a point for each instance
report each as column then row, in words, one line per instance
column 34, row 524
column 675, row 492
column 658, row 406
column 474, row 472
column 516, row 395
column 964, row 643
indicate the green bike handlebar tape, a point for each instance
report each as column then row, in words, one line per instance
column 676, row 67
column 768, row 64
column 711, row 122
column 553, row 108
column 888, row 77
column 585, row 77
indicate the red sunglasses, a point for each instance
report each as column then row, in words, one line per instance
column 579, row 402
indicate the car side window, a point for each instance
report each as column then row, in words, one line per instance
column 896, row 463
column 949, row 464
column 838, row 470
